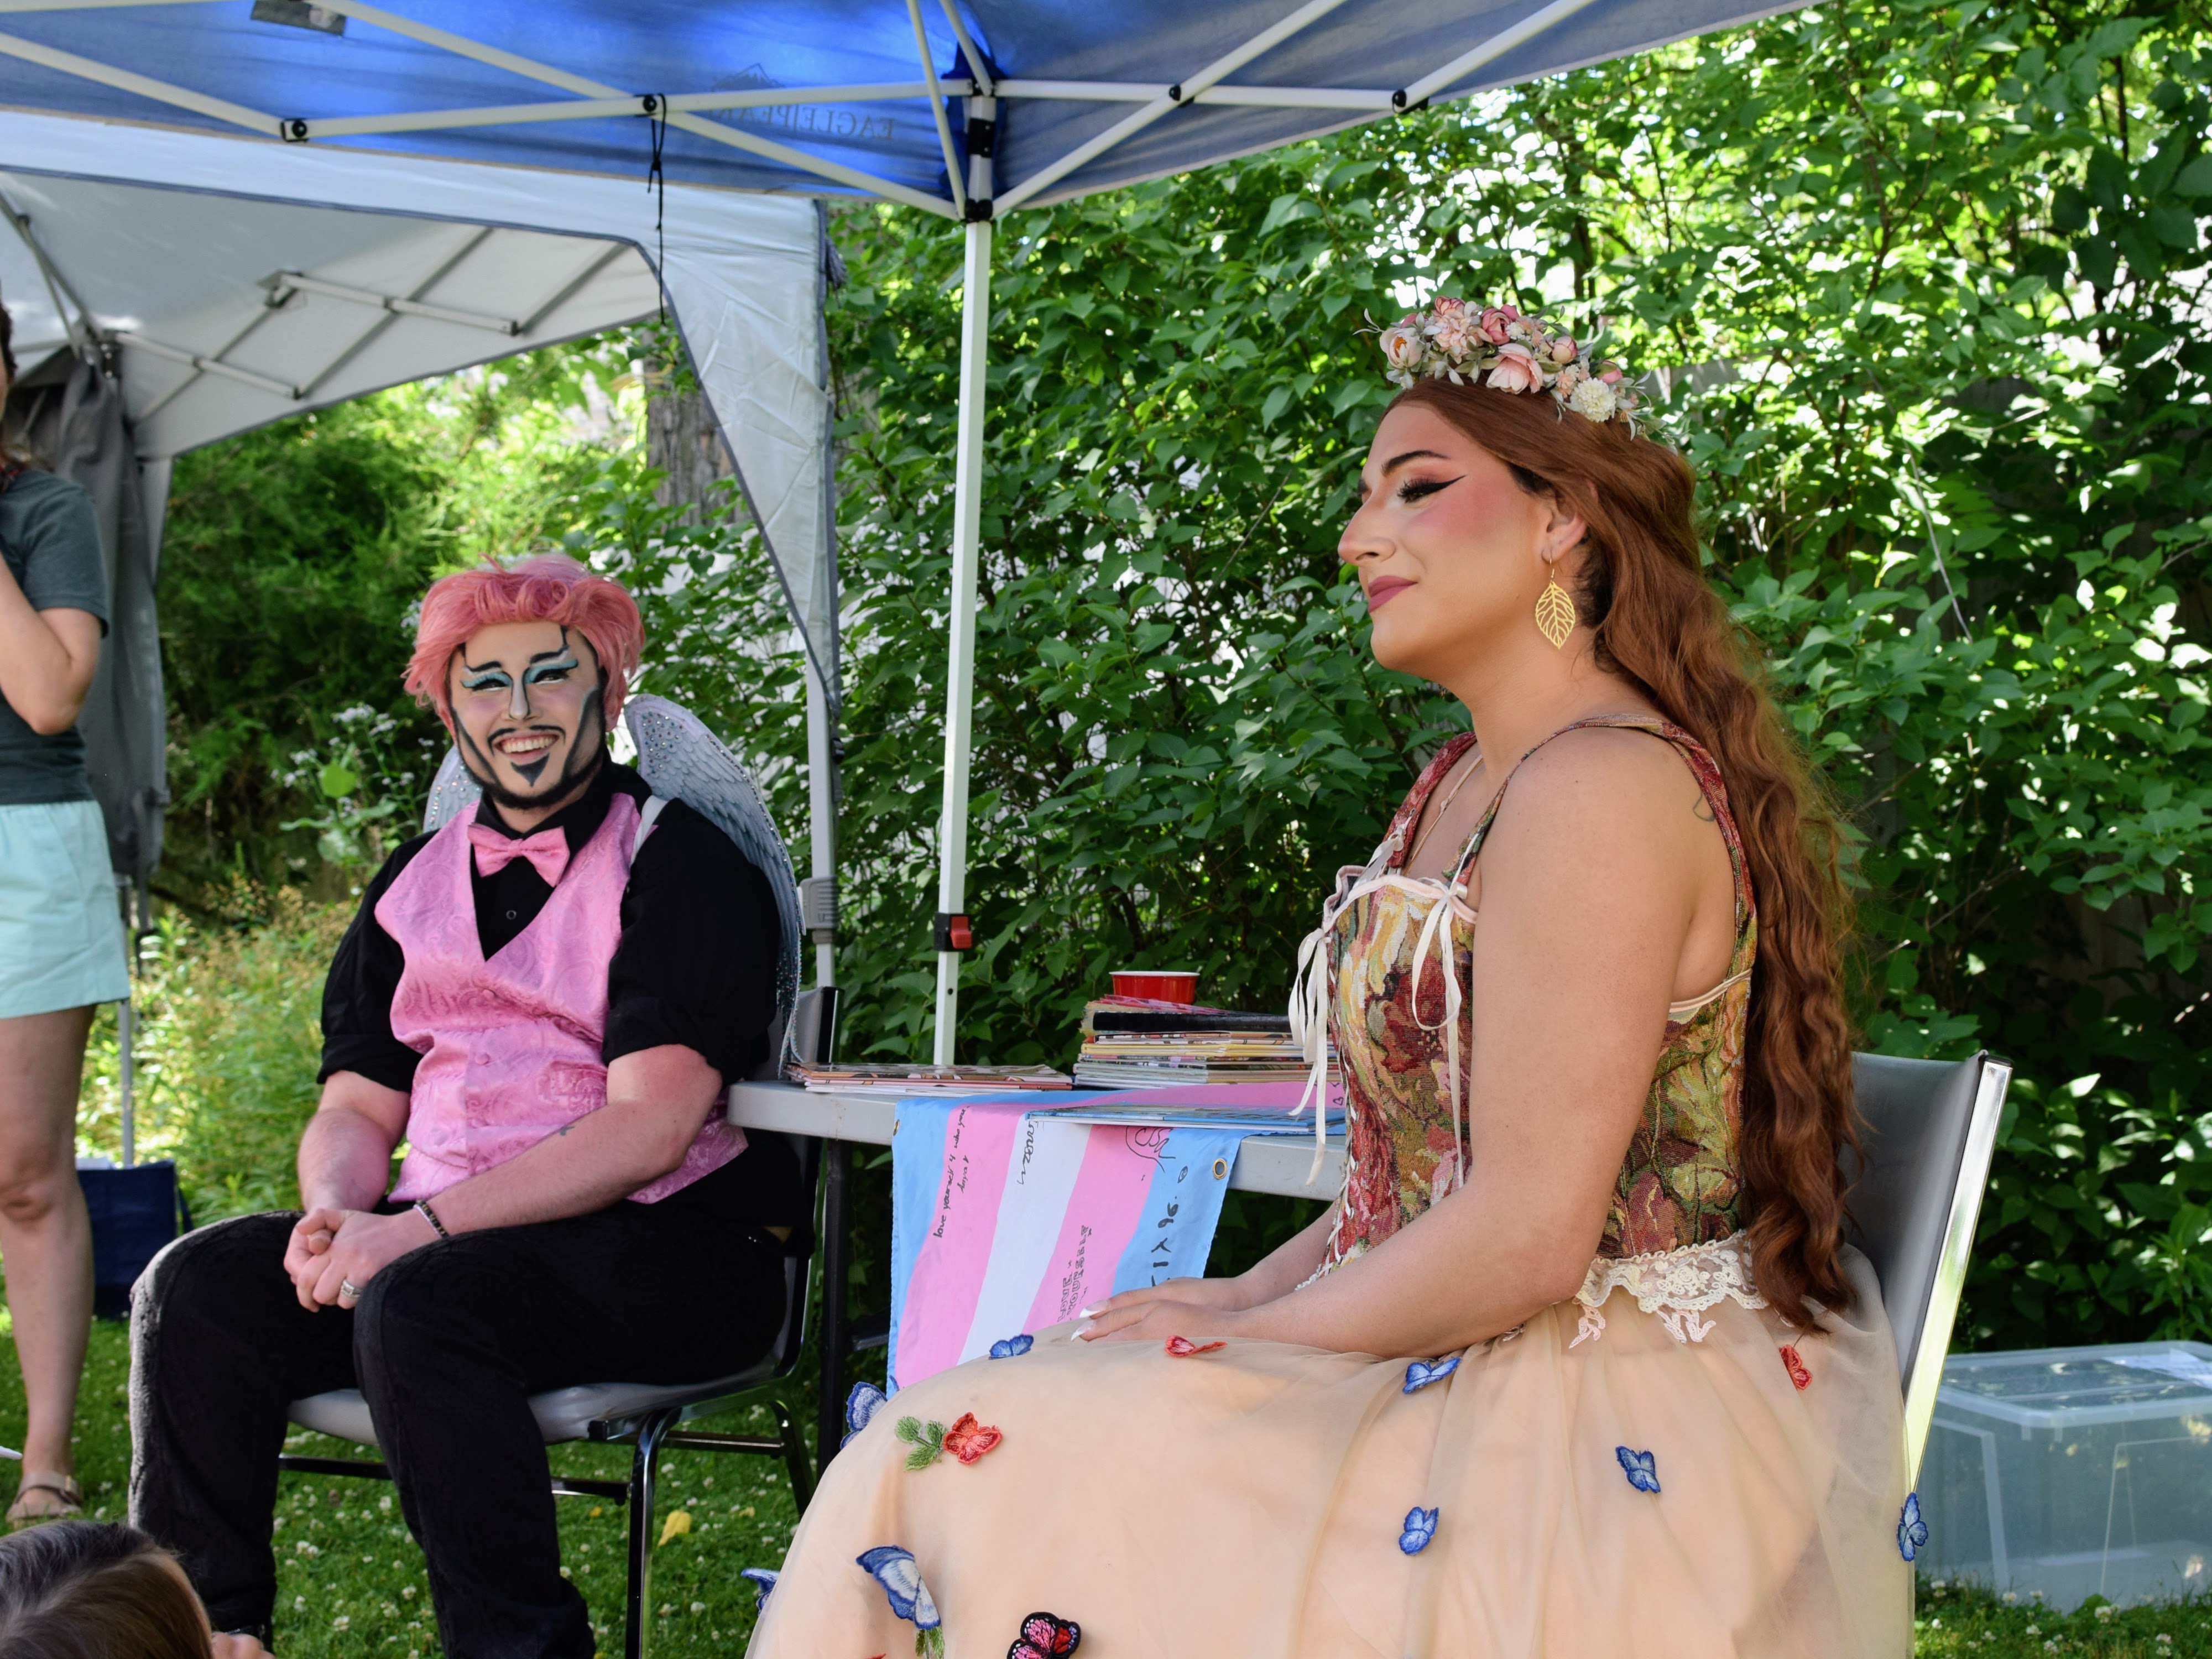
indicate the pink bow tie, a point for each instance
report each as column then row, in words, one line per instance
column 547, row 851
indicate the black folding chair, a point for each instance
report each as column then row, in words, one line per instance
column 647, row 1415
column 1929, row 1129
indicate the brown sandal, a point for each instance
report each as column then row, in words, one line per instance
column 71, row 1496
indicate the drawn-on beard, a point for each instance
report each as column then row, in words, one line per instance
column 586, row 755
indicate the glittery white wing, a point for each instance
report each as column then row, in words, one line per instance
column 681, row 760
column 453, row 792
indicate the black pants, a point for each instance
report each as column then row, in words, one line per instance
column 447, row 1343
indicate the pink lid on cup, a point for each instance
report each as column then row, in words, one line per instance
column 1158, row 984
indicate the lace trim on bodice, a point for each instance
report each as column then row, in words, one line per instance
column 1676, row 1284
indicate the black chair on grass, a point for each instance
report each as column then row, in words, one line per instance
column 1929, row 1128
column 648, row 1416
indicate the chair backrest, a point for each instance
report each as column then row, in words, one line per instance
column 1929, row 1128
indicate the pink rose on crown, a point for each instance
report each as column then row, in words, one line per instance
column 1563, row 349
column 1495, row 322
column 1517, row 370
column 1454, row 332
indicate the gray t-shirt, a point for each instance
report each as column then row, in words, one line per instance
column 51, row 542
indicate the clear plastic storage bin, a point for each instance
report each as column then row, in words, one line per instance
column 2074, row 1472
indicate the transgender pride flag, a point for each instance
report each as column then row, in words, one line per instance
column 1006, row 1220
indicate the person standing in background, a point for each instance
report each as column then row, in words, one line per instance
column 61, row 944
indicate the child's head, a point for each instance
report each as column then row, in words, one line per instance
column 93, row 1590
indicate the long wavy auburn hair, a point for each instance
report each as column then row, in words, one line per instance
column 1656, row 621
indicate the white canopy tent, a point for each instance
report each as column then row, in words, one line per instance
column 965, row 108
column 232, row 284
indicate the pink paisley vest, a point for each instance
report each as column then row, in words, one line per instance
column 511, row 1047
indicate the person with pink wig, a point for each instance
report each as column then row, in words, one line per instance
column 537, row 1010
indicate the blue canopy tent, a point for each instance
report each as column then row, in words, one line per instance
column 966, row 108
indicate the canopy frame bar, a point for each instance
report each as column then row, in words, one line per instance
column 937, row 108
column 1281, row 30
column 123, row 80
column 285, row 282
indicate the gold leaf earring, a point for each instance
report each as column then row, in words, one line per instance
column 1555, row 614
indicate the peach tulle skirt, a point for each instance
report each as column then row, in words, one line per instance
column 1252, row 1501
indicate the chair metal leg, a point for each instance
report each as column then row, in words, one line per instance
column 644, row 1481
column 835, row 1252
column 794, row 1456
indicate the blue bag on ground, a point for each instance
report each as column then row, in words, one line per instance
column 135, row 1212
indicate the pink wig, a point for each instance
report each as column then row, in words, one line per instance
column 548, row 588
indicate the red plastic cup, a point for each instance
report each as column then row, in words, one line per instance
column 1156, row 985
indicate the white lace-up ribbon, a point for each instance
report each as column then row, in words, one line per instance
column 1309, row 1000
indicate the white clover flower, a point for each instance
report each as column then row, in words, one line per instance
column 1595, row 399
column 343, row 1622
column 2105, row 1612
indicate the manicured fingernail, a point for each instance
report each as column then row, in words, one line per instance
column 1080, row 1333
column 1091, row 1313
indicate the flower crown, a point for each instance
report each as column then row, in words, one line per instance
column 1497, row 347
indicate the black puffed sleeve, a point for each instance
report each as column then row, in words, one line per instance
column 357, row 996
column 696, row 964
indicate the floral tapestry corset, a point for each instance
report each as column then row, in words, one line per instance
column 1392, row 962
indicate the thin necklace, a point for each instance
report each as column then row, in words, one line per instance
column 1464, row 779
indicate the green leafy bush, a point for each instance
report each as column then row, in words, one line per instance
column 228, row 1041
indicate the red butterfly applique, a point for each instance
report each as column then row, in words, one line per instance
column 1046, row 1636
column 968, row 1440
column 1795, row 1367
column 1182, row 1347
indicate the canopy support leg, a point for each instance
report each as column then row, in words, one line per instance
column 822, row 808
column 960, row 667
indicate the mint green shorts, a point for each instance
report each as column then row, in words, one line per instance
column 61, row 931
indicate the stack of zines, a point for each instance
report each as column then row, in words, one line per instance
column 903, row 1080
column 1129, row 1043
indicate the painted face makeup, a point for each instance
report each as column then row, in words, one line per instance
column 527, row 713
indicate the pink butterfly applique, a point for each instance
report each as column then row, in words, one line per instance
column 1046, row 1636
column 1182, row 1347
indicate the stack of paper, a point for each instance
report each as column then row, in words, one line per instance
column 1127, row 1043
column 905, row 1080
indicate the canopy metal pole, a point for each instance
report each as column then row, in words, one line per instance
column 822, row 810
column 960, row 667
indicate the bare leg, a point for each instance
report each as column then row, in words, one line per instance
column 45, row 1237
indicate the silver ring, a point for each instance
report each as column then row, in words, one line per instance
column 348, row 1288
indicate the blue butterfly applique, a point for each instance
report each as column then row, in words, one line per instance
column 1911, row 1530
column 763, row 1581
column 1640, row 1467
column 861, row 1407
column 895, row 1570
column 1422, row 1372
column 1420, row 1526
column 1013, row 1346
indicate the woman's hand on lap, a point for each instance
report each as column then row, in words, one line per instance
column 1183, row 1307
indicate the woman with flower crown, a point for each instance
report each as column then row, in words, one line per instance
column 1577, row 1363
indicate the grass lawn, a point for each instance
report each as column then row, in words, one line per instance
column 350, row 1581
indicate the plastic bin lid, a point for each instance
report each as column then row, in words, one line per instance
column 2073, row 1388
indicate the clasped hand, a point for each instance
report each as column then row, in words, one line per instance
column 331, row 1249
column 1203, row 1309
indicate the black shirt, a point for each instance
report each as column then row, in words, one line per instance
column 695, row 965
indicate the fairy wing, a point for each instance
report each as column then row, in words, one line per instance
column 453, row 792
column 681, row 760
